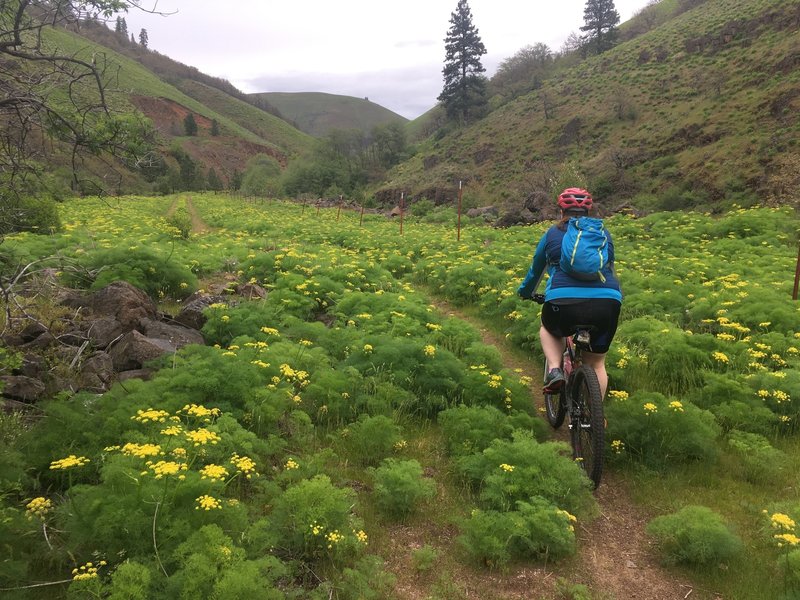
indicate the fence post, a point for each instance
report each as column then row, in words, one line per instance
column 796, row 274
column 402, row 195
column 458, row 235
column 339, row 209
column 361, row 220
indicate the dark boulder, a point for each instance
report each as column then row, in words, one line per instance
column 135, row 349
column 191, row 315
column 20, row 387
column 125, row 302
column 177, row 335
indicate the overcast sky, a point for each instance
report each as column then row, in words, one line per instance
column 390, row 52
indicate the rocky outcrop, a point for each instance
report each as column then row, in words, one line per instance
column 111, row 335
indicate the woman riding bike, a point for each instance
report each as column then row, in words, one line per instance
column 570, row 301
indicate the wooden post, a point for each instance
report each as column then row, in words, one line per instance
column 339, row 208
column 317, row 207
column 302, row 212
column 796, row 275
column 361, row 220
column 402, row 195
column 458, row 235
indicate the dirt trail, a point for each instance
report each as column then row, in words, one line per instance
column 198, row 225
column 615, row 558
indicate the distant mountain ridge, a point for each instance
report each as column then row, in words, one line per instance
column 317, row 113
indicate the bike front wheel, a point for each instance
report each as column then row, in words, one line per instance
column 588, row 423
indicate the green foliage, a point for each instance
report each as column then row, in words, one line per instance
column 761, row 462
column 190, row 125
column 371, row 439
column 469, row 430
column 366, row 580
column 182, row 222
column 694, row 535
column 313, row 519
column 424, row 558
column 31, row 213
column 157, row 276
column 534, row 530
column 210, row 565
column 400, row 488
column 600, row 22
column 261, row 176
column 660, row 431
column 570, row 591
column 464, row 93
column 517, row 470
column 130, row 581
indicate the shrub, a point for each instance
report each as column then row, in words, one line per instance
column 471, row 429
column 657, row 430
column 535, row 529
column 212, row 566
column 366, row 580
column 761, row 462
column 694, row 535
column 37, row 215
column 745, row 416
column 313, row 519
column 424, row 558
column 371, row 439
column 400, row 487
column 182, row 222
column 520, row 469
column 155, row 275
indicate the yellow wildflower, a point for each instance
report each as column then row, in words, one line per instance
column 214, row 472
column 202, row 436
column 206, row 502
column 38, row 507
column 69, row 462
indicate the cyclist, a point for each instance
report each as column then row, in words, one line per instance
column 569, row 301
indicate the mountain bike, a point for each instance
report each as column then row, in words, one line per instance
column 580, row 398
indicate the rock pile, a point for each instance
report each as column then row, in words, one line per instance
column 111, row 336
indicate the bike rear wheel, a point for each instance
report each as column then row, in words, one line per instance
column 588, row 423
column 555, row 406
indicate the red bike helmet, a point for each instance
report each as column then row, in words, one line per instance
column 575, row 198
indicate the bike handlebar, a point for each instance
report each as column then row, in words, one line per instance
column 538, row 298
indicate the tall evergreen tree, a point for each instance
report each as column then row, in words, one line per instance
column 214, row 182
column 121, row 26
column 143, row 40
column 464, row 91
column 600, row 19
column 190, row 125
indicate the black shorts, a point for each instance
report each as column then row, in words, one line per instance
column 601, row 314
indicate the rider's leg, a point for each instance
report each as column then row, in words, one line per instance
column 598, row 363
column 552, row 346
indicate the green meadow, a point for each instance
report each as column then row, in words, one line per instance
column 280, row 459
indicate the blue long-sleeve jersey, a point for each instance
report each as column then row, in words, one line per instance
column 560, row 285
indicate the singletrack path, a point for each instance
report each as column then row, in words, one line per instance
column 615, row 557
column 198, row 225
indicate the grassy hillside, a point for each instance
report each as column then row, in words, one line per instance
column 703, row 107
column 259, row 122
column 244, row 130
column 317, row 113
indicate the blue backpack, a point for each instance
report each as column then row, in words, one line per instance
column 584, row 249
